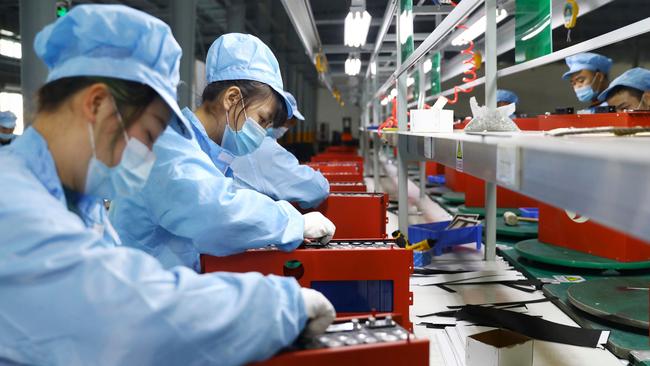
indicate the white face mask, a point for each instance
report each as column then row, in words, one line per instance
column 276, row 132
column 124, row 179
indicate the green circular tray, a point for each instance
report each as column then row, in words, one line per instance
column 535, row 250
column 455, row 198
column 623, row 300
column 481, row 210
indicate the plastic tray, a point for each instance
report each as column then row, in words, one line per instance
column 445, row 239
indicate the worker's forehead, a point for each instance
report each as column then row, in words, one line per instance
column 623, row 96
column 582, row 73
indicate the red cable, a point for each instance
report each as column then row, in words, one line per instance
column 470, row 73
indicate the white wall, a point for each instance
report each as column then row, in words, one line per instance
column 329, row 111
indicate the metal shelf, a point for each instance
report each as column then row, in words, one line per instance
column 604, row 178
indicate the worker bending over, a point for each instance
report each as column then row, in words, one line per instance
column 630, row 91
column 69, row 297
column 589, row 76
column 190, row 205
column 505, row 97
column 274, row 171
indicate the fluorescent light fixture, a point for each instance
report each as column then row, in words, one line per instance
column 477, row 29
column 352, row 65
column 537, row 30
column 393, row 92
column 7, row 33
column 10, row 48
column 410, row 81
column 384, row 101
column 373, row 68
column 357, row 24
column 405, row 26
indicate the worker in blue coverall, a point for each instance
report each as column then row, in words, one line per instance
column 589, row 75
column 630, row 91
column 7, row 126
column 190, row 204
column 69, row 297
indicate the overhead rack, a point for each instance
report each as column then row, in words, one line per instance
column 603, row 178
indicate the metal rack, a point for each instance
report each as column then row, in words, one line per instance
column 603, row 178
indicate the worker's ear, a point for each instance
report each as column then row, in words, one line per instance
column 91, row 100
column 231, row 97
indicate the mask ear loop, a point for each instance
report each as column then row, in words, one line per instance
column 120, row 120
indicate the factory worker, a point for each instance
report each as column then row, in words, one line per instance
column 69, row 299
column 505, row 97
column 589, row 76
column 190, row 205
column 274, row 171
column 630, row 91
column 7, row 126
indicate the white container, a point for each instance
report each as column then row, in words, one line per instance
column 499, row 347
column 432, row 120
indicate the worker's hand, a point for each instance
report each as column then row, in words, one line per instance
column 318, row 227
column 320, row 312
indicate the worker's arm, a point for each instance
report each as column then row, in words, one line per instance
column 189, row 197
column 67, row 299
column 274, row 171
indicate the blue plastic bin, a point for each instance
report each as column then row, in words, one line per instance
column 532, row 212
column 437, row 179
column 445, row 239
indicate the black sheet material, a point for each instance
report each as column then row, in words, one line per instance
column 530, row 326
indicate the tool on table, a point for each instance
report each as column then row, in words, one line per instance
column 512, row 219
column 403, row 242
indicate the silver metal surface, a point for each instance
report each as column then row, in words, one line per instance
column 491, row 103
column 604, row 178
column 302, row 18
column 389, row 13
column 402, row 122
column 463, row 9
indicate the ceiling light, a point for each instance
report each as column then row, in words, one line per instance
column 357, row 23
column 373, row 68
column 405, row 26
column 393, row 93
column 352, row 65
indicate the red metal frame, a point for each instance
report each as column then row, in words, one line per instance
column 325, row 157
column 343, row 177
column 356, row 215
column 555, row 227
column 411, row 352
column 348, row 187
column 628, row 119
column 337, row 166
column 365, row 264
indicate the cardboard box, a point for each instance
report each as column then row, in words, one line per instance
column 499, row 347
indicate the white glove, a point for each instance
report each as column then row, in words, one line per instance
column 318, row 227
column 319, row 311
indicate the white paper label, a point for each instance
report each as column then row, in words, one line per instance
column 508, row 166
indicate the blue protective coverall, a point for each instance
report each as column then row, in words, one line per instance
column 274, row 171
column 69, row 298
column 188, row 206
